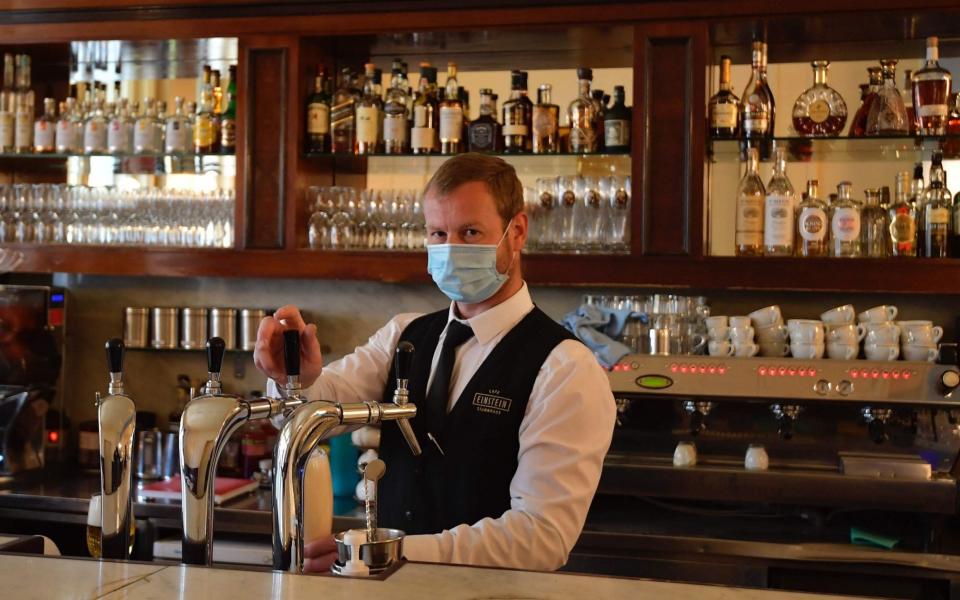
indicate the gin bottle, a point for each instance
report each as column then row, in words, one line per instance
column 778, row 210
column 120, row 132
column 750, row 202
column 845, row 224
column 813, row 224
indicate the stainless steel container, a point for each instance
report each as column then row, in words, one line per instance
column 164, row 328
column 378, row 555
column 223, row 324
column 249, row 324
column 193, row 328
column 136, row 327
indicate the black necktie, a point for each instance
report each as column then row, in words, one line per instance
column 439, row 393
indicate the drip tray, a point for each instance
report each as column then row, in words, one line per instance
column 885, row 466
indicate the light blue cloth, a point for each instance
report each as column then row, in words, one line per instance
column 597, row 327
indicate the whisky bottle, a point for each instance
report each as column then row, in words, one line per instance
column 175, row 128
column 423, row 133
column 936, row 215
column 228, row 122
column 819, row 111
column 908, row 101
column 483, row 133
column 582, row 116
column 395, row 113
column 145, row 130
column 902, row 219
column 216, row 114
column 120, row 130
column 204, row 127
column 888, row 115
column 931, row 88
column 546, row 122
column 517, row 116
column 601, row 100
column 845, row 224
column 858, row 127
column 616, row 124
column 778, row 210
column 756, row 103
column 874, row 238
column 318, row 116
column 95, row 128
column 24, row 118
column 813, row 225
column 44, row 130
column 368, row 115
column 8, row 104
column 451, row 114
column 342, row 116
column 724, row 107
column 750, row 208
column 916, row 200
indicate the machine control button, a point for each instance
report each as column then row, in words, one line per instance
column 845, row 387
column 949, row 381
column 822, row 387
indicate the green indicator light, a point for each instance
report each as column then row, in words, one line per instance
column 654, row 382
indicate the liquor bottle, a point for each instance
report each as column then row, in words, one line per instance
column 204, row 125
column 778, row 210
column 845, row 224
column 95, row 128
column 936, row 215
column 950, row 146
column 24, row 118
column 954, row 233
column 8, row 104
column 908, row 101
column 368, row 116
column 601, row 100
column 145, row 130
column 175, row 128
column 378, row 92
column 750, row 208
column 858, row 128
column 616, row 124
column 216, row 113
column 69, row 137
column 888, row 115
column 318, row 116
column 902, row 219
column 120, row 130
column 517, row 115
column 931, row 88
column 874, row 234
column 724, row 107
column 483, row 133
column 343, row 115
column 819, row 111
column 465, row 101
column 451, row 114
column 423, row 133
column 582, row 116
column 766, row 87
column 44, row 130
column 546, row 122
column 916, row 200
column 228, row 122
column 395, row 113
column 756, row 103
column 813, row 225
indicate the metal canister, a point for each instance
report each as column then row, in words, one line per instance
column 223, row 324
column 164, row 328
column 136, row 327
column 193, row 328
column 249, row 324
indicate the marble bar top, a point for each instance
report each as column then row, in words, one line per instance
column 28, row 577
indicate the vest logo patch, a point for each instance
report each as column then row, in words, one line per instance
column 492, row 403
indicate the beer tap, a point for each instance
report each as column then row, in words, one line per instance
column 116, row 417
column 306, row 428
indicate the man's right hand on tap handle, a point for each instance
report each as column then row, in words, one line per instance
column 268, row 353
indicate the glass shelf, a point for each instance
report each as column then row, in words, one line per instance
column 58, row 156
column 501, row 154
column 896, row 148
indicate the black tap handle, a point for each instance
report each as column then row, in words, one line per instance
column 216, row 348
column 115, row 355
column 404, row 359
column 291, row 351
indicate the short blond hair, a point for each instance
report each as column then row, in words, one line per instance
column 497, row 174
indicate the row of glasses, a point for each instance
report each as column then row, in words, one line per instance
column 347, row 218
column 61, row 214
column 579, row 214
column 677, row 323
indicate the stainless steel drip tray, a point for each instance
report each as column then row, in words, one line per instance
column 891, row 466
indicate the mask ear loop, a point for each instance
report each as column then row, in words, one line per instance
column 513, row 255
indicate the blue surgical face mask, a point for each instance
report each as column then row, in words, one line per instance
column 466, row 272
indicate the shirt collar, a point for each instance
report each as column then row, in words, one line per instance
column 498, row 319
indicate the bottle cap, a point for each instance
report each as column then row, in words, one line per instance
column 424, row 71
column 585, row 73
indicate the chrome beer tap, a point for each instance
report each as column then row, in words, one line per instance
column 309, row 425
column 116, row 417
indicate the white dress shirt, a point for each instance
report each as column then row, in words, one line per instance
column 564, row 436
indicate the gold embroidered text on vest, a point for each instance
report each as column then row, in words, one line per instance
column 489, row 403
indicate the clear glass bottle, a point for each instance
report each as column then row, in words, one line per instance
column 368, row 111
column 936, row 215
column 813, row 224
column 617, row 123
column 750, row 208
column 778, row 210
column 69, row 137
column 902, row 219
column 546, row 122
column 845, row 223
column 858, row 127
column 145, row 131
column 483, row 133
column 582, row 116
column 318, row 115
column 45, row 129
column 120, row 130
column 819, row 111
column 8, row 104
column 517, row 115
column 874, row 234
column 724, row 106
column 24, row 118
column 888, row 115
column 451, row 114
column 931, row 88
column 343, row 115
column 175, row 138
column 396, row 116
column 95, row 128
column 423, row 133
column 756, row 102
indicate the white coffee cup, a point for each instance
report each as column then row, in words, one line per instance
column 721, row 332
column 774, row 349
column 841, row 315
column 878, row 314
column 745, row 349
column 881, row 351
column 806, row 351
column 756, row 458
column 685, row 455
column 767, row 316
column 842, row 351
column 716, row 321
column 741, row 334
column 882, row 334
column 774, row 333
column 740, row 322
column 920, row 353
column 846, row 334
column 719, row 348
column 920, row 333
column 805, row 331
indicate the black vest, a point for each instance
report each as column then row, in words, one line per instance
column 480, row 438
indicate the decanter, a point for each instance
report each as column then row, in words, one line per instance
column 888, row 115
column 819, row 111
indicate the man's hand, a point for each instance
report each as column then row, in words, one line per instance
column 268, row 353
column 319, row 555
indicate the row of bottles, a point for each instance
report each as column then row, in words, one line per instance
column 821, row 111
column 920, row 221
column 94, row 126
column 361, row 118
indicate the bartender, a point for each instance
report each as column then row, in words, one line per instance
column 514, row 415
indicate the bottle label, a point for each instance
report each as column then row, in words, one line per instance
column 756, row 124
column 44, row 135
column 422, row 138
column 582, row 139
column 228, row 134
column 544, row 125
column 616, row 132
column 395, row 128
column 933, row 110
column 749, row 221
column 176, row 137
column 24, row 130
column 6, row 129
column 368, row 124
column 203, row 133
column 318, row 118
column 451, row 123
column 819, row 111
column 778, row 220
column 903, row 229
column 813, row 224
column 937, row 216
column 118, row 138
column 723, row 116
column 421, row 117
column 516, row 130
column 481, row 136
column 94, row 137
column 846, row 224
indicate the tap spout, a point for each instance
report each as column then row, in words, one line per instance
column 116, row 416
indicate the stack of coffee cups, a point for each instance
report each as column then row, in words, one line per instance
column 730, row 336
column 807, row 338
column 881, row 339
column 771, row 333
column 842, row 332
column 919, row 340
